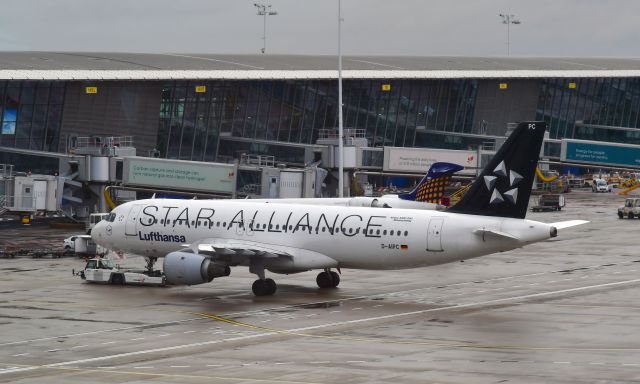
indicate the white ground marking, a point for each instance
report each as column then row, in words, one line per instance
column 316, row 327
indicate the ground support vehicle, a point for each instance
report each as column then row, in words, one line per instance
column 630, row 209
column 82, row 246
column 600, row 185
column 549, row 202
column 99, row 270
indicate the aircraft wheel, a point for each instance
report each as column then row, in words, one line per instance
column 336, row 279
column 271, row 285
column 260, row 288
column 328, row 279
column 323, row 280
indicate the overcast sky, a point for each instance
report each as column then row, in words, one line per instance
column 371, row 27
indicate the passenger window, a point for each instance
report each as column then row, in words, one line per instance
column 391, row 233
column 323, row 229
column 378, row 232
column 406, row 233
column 384, row 232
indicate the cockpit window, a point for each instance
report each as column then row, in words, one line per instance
column 111, row 218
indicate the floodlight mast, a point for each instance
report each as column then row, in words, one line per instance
column 264, row 10
column 340, row 122
column 509, row 19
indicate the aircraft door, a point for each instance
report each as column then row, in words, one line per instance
column 273, row 187
column 132, row 220
column 434, row 235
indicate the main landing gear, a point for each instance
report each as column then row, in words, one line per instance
column 328, row 279
column 262, row 286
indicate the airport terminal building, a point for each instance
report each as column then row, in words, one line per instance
column 213, row 107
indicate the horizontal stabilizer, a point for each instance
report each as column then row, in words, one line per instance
column 568, row 224
column 492, row 233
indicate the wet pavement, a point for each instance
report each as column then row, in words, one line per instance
column 562, row 311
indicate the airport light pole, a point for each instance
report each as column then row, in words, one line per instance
column 509, row 19
column 264, row 11
column 340, row 122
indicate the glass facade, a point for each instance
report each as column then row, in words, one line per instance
column 31, row 114
column 293, row 111
column 215, row 120
column 593, row 101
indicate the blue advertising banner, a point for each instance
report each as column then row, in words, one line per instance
column 605, row 154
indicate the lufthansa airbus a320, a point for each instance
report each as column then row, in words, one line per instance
column 203, row 239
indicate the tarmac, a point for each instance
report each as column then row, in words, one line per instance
column 561, row 311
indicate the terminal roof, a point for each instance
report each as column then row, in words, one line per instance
column 138, row 66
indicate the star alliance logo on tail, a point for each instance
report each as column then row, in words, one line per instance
column 510, row 195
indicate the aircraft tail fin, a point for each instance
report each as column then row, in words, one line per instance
column 431, row 187
column 504, row 186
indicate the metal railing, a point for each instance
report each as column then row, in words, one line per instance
column 258, row 160
column 251, row 189
column 109, row 141
column 6, row 171
column 333, row 133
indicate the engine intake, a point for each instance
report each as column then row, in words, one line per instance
column 184, row 268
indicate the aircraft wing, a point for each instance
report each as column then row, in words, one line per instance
column 219, row 247
column 240, row 252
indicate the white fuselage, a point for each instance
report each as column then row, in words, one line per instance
column 384, row 201
column 353, row 237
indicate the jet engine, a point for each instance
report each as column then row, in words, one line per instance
column 184, row 268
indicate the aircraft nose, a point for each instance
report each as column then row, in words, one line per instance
column 98, row 233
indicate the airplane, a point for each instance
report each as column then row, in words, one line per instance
column 202, row 240
column 427, row 194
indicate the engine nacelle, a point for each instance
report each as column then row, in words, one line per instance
column 184, row 268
